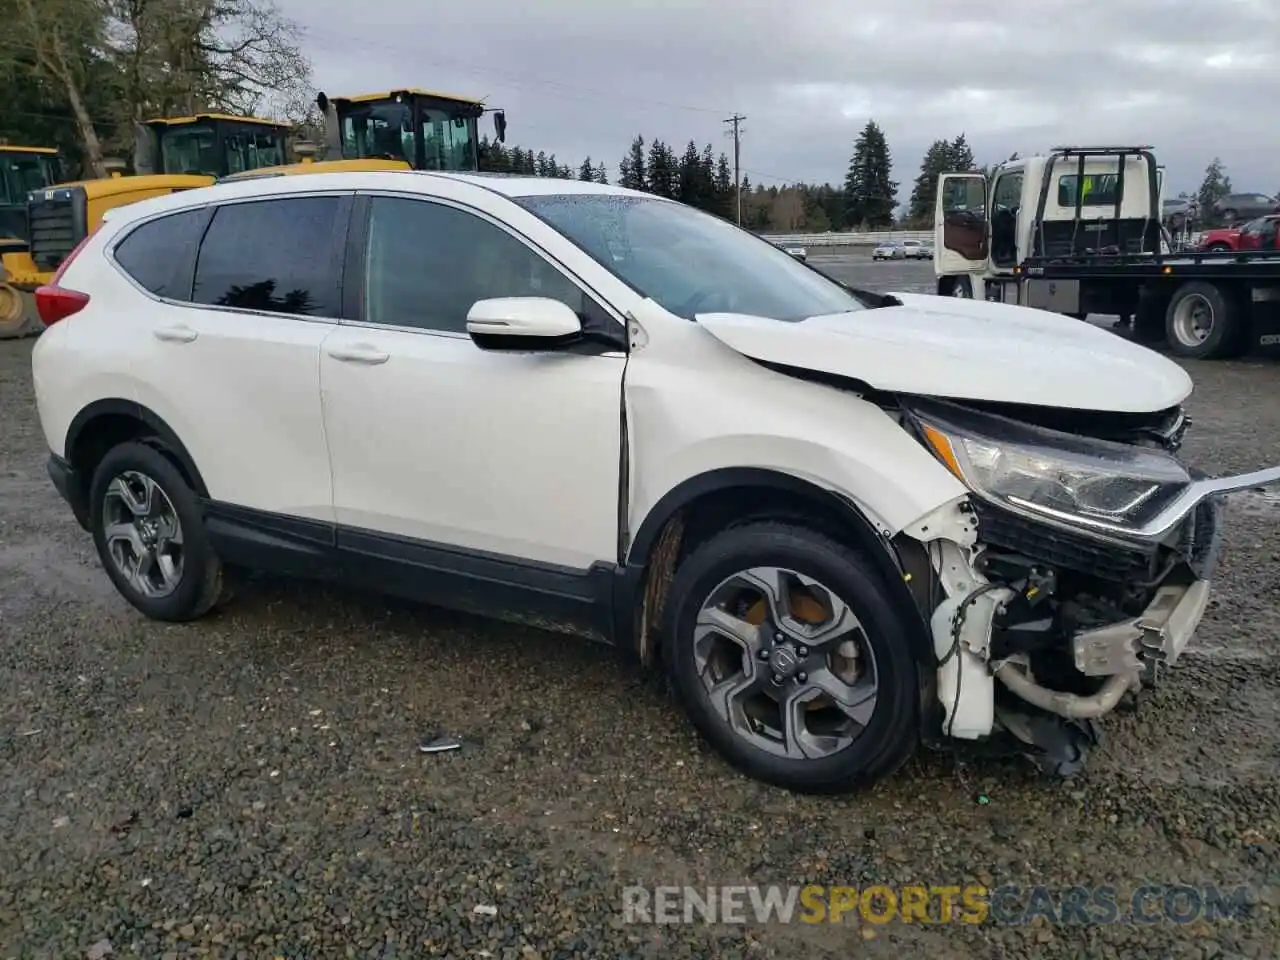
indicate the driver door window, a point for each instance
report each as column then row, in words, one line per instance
column 426, row 264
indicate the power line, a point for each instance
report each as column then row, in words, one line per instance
column 514, row 81
column 736, row 120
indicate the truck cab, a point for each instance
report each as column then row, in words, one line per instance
column 396, row 130
column 1074, row 201
column 1080, row 232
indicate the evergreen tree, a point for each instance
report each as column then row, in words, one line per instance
column 689, row 176
column 871, row 193
column 960, row 156
column 515, row 157
column 586, row 171
column 601, row 175
column 540, row 164
column 937, row 161
column 724, row 187
column 1215, row 185
column 662, row 173
column 631, row 171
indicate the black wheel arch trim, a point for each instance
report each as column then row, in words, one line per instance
column 137, row 411
column 879, row 549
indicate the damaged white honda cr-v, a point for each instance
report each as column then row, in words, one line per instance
column 845, row 523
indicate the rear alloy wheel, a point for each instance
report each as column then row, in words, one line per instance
column 1219, row 248
column 962, row 287
column 788, row 659
column 149, row 532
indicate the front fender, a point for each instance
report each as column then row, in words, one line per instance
column 695, row 405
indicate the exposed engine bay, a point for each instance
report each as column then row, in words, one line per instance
column 1076, row 570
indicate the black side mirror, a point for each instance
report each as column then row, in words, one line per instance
column 500, row 125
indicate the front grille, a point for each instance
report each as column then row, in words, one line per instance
column 54, row 233
column 1062, row 549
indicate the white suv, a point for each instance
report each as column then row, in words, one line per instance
column 844, row 522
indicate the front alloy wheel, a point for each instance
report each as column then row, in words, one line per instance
column 790, row 659
column 785, row 663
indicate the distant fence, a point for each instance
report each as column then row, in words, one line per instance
column 869, row 239
column 874, row 237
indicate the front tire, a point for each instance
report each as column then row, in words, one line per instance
column 788, row 660
column 149, row 531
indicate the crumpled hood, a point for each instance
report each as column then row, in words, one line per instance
column 967, row 350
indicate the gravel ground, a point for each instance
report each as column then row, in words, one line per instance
column 250, row 786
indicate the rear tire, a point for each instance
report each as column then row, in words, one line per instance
column 1204, row 322
column 1219, row 248
column 822, row 745
column 149, row 531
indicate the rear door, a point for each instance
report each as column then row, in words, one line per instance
column 225, row 348
column 960, row 226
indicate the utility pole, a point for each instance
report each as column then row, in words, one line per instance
column 736, row 120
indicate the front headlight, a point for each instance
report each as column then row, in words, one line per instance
column 1096, row 484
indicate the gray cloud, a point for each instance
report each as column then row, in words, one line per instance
column 581, row 77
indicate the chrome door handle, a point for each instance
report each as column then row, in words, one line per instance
column 359, row 353
column 178, row 334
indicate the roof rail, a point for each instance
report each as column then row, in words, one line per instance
column 1100, row 150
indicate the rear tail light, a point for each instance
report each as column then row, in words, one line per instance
column 55, row 303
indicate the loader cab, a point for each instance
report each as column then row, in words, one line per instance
column 424, row 130
column 23, row 169
column 1074, row 201
column 208, row 145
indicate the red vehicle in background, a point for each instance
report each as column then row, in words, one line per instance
column 1259, row 234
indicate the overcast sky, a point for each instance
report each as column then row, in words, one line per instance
column 1194, row 78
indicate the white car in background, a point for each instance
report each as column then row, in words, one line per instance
column 917, row 250
column 890, row 250
column 843, row 522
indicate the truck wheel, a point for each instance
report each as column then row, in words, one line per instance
column 960, row 287
column 789, row 660
column 1203, row 323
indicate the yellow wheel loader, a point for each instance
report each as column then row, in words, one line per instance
column 22, row 169
column 396, row 130
column 177, row 153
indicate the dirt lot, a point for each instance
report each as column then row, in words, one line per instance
column 251, row 786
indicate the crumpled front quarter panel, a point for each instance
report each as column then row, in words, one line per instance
column 695, row 405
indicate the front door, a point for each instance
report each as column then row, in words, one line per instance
column 455, row 467
column 960, row 225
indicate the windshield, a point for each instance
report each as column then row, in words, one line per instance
column 450, row 143
column 688, row 261
column 383, row 130
column 190, row 149
column 253, row 151
column 22, row 172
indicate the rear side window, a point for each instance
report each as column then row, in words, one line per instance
column 160, row 254
column 272, row 255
